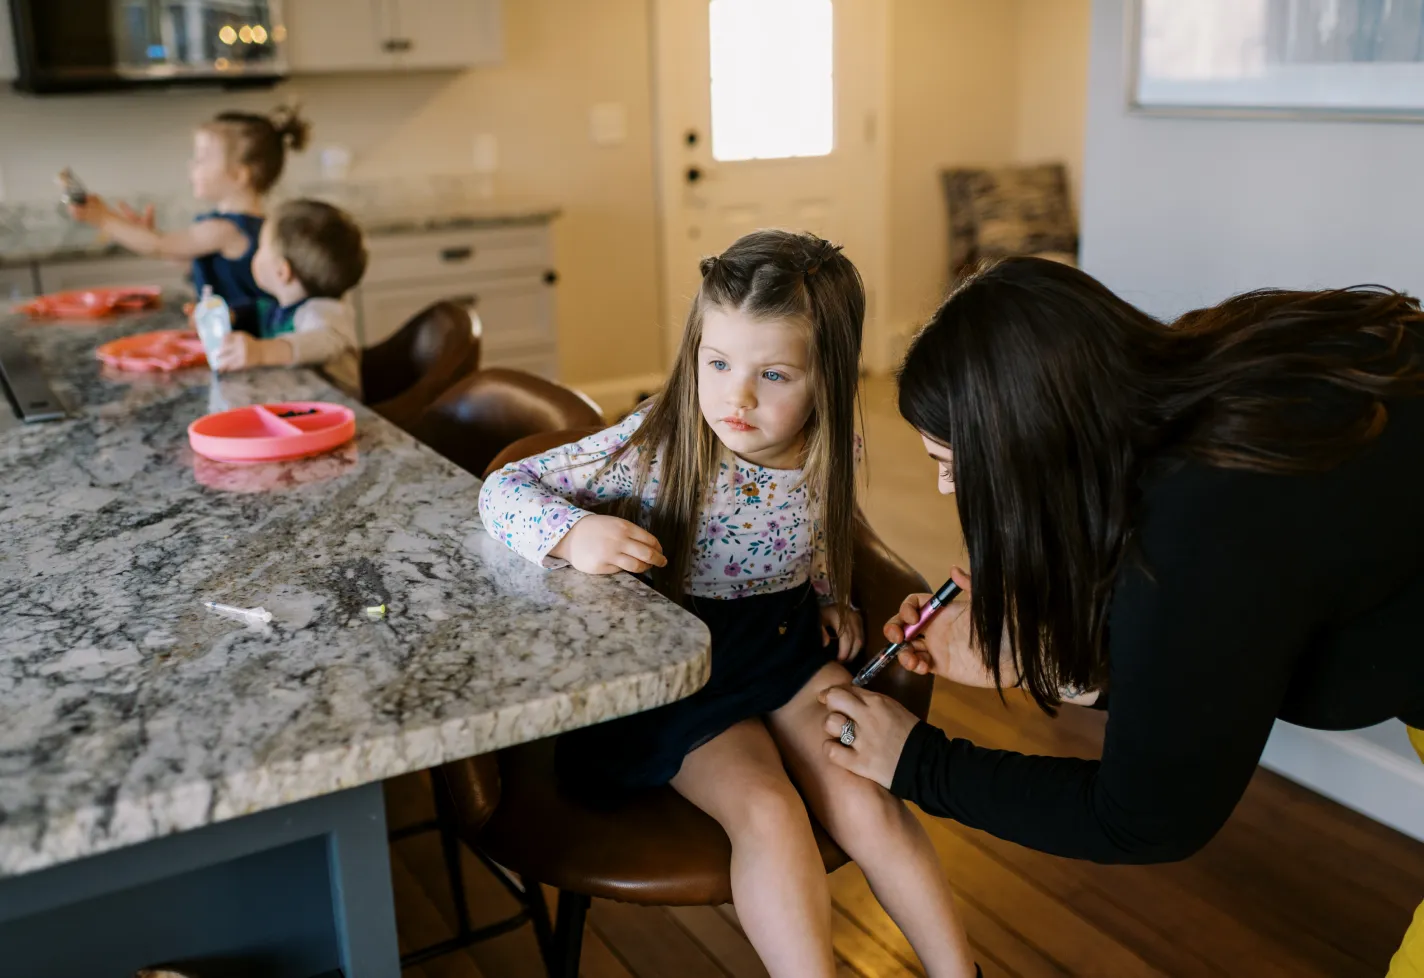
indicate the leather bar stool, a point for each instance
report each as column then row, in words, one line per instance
column 658, row 849
column 405, row 374
column 488, row 410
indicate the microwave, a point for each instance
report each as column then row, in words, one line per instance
column 98, row 45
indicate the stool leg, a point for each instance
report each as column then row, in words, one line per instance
column 450, row 843
column 533, row 900
column 568, row 934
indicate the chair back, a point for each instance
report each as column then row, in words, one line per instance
column 405, row 374
column 481, row 415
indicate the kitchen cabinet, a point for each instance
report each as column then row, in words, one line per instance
column 61, row 276
column 8, row 65
column 392, row 35
column 505, row 273
column 16, row 282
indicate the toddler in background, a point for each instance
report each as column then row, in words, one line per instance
column 309, row 256
column 237, row 158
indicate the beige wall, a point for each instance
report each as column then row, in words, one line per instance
column 973, row 83
column 1052, row 83
column 561, row 57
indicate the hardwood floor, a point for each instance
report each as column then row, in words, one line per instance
column 1295, row 886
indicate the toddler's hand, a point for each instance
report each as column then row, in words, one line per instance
column 93, row 211
column 239, row 351
column 851, row 632
column 607, row 545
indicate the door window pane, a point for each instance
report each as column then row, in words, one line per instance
column 772, row 90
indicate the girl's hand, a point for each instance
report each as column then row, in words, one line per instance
column 93, row 211
column 943, row 646
column 851, row 632
column 881, row 728
column 145, row 220
column 607, row 545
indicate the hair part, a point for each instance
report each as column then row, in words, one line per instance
column 1056, row 396
column 259, row 143
column 768, row 276
column 323, row 245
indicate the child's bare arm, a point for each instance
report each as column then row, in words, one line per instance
column 202, row 238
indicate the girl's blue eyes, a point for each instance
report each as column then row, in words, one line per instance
column 774, row 376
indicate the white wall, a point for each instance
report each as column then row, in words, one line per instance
column 1051, row 84
column 1182, row 212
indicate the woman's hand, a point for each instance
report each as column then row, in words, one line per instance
column 881, row 728
column 851, row 632
column 607, row 545
column 944, row 646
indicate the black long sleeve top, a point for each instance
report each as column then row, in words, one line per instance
column 1257, row 597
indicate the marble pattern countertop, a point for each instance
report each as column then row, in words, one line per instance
column 39, row 232
column 132, row 712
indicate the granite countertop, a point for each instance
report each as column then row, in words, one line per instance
column 132, row 712
column 39, row 233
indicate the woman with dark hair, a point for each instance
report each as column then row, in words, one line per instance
column 1200, row 526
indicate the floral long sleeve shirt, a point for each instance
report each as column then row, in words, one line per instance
column 757, row 532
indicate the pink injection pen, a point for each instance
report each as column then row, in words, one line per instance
column 873, row 668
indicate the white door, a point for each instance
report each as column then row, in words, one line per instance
column 770, row 114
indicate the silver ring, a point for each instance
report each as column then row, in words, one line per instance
column 848, row 733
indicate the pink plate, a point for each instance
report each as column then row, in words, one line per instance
column 92, row 303
column 260, row 433
column 165, row 349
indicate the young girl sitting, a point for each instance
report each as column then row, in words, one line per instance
column 237, row 158
column 735, row 492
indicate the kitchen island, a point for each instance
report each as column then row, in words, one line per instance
column 174, row 782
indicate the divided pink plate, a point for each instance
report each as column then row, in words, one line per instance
column 260, row 433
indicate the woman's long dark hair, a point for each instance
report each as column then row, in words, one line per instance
column 1054, row 394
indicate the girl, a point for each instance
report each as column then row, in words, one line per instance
column 237, row 158
column 734, row 490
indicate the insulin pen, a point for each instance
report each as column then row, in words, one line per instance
column 872, row 668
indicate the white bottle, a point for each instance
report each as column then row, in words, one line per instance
column 213, row 320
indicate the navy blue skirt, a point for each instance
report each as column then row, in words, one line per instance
column 765, row 648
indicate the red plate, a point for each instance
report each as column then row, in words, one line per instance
column 93, row 303
column 260, row 433
column 165, row 349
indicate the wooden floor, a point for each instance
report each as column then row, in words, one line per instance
column 1294, row 886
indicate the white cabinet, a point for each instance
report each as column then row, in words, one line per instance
column 506, row 274
column 8, row 65
column 16, row 282
column 61, row 276
column 392, row 35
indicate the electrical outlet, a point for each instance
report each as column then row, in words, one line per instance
column 608, row 123
column 484, row 153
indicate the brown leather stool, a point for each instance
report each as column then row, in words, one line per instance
column 481, row 415
column 403, row 375
column 658, row 850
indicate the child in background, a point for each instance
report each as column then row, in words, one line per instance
column 735, row 491
column 237, row 158
column 309, row 255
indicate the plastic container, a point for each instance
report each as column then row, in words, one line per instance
column 213, row 320
column 260, row 433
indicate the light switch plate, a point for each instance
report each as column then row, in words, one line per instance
column 484, row 152
column 608, row 123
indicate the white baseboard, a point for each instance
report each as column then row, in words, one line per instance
column 617, row 395
column 1353, row 770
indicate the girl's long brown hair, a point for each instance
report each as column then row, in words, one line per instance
column 771, row 276
column 1055, row 396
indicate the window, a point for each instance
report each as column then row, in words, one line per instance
column 772, row 87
